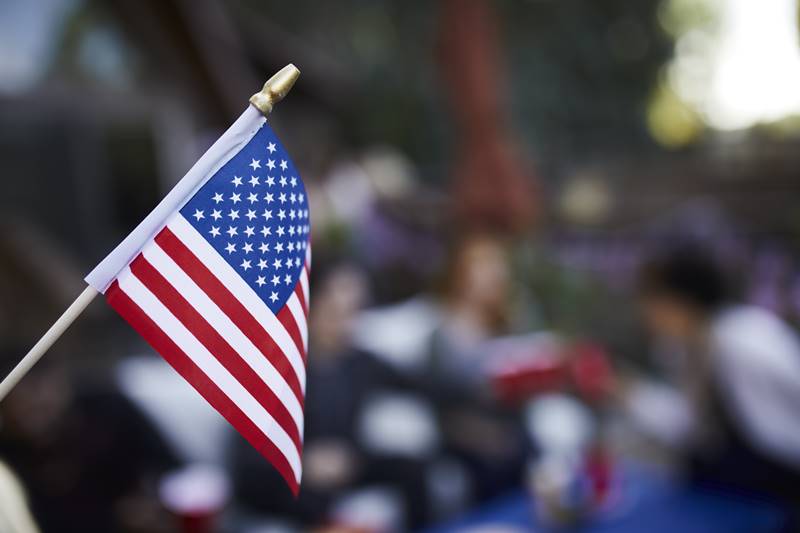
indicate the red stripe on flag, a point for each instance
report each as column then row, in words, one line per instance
column 286, row 318
column 161, row 342
column 298, row 290
column 215, row 344
column 232, row 307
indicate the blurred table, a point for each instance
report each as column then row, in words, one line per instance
column 649, row 503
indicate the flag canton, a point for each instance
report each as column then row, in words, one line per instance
column 254, row 212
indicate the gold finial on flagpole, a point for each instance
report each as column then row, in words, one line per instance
column 275, row 89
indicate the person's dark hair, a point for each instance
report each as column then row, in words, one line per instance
column 325, row 266
column 688, row 273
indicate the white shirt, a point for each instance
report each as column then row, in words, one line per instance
column 755, row 360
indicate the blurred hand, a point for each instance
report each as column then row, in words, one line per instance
column 621, row 387
column 328, row 464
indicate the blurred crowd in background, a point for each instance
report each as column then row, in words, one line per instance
column 555, row 249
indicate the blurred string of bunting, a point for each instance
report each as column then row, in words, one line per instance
column 216, row 280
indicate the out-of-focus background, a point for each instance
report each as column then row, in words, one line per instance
column 522, row 212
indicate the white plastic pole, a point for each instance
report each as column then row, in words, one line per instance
column 47, row 340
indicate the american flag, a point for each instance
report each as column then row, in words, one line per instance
column 221, row 291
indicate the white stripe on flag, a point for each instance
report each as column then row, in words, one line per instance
column 304, row 284
column 293, row 303
column 209, row 365
column 223, row 325
column 189, row 236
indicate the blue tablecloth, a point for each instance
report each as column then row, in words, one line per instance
column 649, row 504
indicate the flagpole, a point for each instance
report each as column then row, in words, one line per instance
column 47, row 340
column 273, row 92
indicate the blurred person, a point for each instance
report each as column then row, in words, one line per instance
column 475, row 308
column 341, row 383
column 87, row 458
column 483, row 435
column 735, row 410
